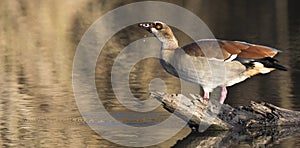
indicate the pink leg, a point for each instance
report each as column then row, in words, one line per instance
column 223, row 94
column 206, row 95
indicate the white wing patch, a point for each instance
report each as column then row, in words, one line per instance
column 232, row 57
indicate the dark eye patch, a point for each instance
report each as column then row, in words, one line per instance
column 158, row 26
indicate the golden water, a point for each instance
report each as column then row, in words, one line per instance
column 38, row 40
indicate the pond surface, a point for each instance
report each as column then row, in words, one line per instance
column 38, row 40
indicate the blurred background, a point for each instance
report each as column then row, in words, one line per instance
column 38, row 41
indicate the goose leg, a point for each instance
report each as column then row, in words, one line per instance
column 206, row 95
column 223, row 94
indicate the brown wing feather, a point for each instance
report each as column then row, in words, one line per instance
column 209, row 48
column 230, row 47
column 257, row 52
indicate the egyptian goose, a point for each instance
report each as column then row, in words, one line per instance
column 240, row 59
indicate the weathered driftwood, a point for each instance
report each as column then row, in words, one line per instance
column 225, row 117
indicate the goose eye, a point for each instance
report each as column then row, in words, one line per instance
column 146, row 25
column 158, row 26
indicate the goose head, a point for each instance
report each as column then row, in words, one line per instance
column 162, row 32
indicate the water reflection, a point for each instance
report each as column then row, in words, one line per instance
column 269, row 137
column 37, row 45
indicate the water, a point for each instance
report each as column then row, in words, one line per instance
column 38, row 41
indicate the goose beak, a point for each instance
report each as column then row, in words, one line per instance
column 147, row 26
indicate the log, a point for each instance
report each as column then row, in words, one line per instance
column 224, row 117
